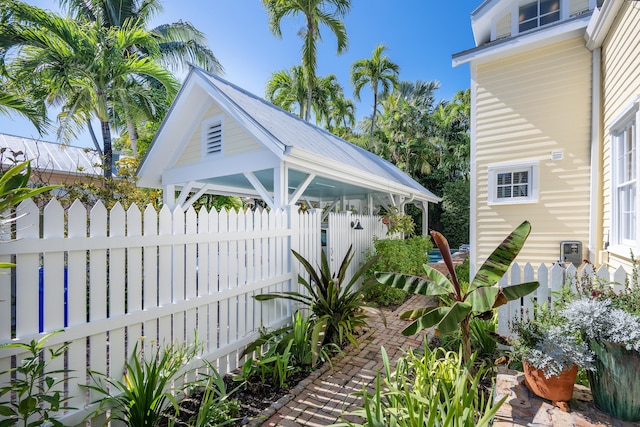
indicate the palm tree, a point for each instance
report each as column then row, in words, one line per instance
column 316, row 12
column 12, row 103
column 343, row 113
column 287, row 89
column 378, row 71
column 179, row 44
column 84, row 67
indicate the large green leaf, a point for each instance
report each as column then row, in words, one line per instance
column 418, row 312
column 483, row 299
column 438, row 278
column 292, row 296
column 445, row 319
column 451, row 321
column 518, row 291
column 413, row 284
column 499, row 261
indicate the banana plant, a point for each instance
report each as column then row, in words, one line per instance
column 457, row 304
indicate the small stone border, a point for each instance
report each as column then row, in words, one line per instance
column 258, row 420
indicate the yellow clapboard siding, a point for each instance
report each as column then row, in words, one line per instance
column 521, row 115
column 620, row 86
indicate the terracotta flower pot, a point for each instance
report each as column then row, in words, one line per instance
column 557, row 388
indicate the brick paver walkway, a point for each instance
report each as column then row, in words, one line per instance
column 325, row 398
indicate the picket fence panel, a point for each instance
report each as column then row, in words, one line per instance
column 551, row 279
column 114, row 280
column 341, row 235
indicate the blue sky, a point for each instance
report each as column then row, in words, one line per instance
column 421, row 36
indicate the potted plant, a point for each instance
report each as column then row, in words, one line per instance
column 613, row 334
column 550, row 355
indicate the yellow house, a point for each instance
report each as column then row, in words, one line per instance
column 555, row 93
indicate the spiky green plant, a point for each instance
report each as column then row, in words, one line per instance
column 435, row 389
column 140, row 399
column 336, row 305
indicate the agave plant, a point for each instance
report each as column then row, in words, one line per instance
column 456, row 305
column 337, row 307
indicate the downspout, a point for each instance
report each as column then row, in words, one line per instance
column 473, row 193
column 595, row 207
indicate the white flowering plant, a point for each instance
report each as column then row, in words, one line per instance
column 597, row 319
column 548, row 346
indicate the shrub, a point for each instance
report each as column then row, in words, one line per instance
column 455, row 212
column 397, row 256
column 33, row 398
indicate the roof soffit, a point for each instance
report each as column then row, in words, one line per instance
column 543, row 36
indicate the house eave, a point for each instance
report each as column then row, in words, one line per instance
column 326, row 168
column 543, row 36
column 601, row 22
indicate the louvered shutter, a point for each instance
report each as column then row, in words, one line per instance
column 213, row 139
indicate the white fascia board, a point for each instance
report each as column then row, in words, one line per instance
column 243, row 118
column 160, row 155
column 522, row 43
column 311, row 162
column 600, row 23
column 222, row 190
column 483, row 17
column 223, row 166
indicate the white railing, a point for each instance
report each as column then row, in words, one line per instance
column 551, row 281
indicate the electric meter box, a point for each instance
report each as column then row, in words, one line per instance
column 571, row 251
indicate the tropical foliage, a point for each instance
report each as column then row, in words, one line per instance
column 456, row 304
column 316, row 13
column 379, row 73
column 337, row 305
column 437, row 388
column 34, row 395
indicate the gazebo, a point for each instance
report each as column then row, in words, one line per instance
column 220, row 139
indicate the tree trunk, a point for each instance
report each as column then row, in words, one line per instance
column 93, row 137
column 107, row 162
column 375, row 107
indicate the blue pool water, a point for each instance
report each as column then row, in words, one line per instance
column 434, row 255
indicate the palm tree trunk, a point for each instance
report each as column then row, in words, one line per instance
column 375, row 107
column 93, row 137
column 108, row 151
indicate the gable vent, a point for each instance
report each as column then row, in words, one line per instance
column 213, row 139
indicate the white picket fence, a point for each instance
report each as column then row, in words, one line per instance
column 551, row 281
column 108, row 278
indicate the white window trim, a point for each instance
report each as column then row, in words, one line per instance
column 531, row 166
column 515, row 13
column 631, row 112
column 203, row 135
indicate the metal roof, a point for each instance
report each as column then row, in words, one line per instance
column 291, row 131
column 51, row 156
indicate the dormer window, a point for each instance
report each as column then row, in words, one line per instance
column 212, row 136
column 538, row 13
